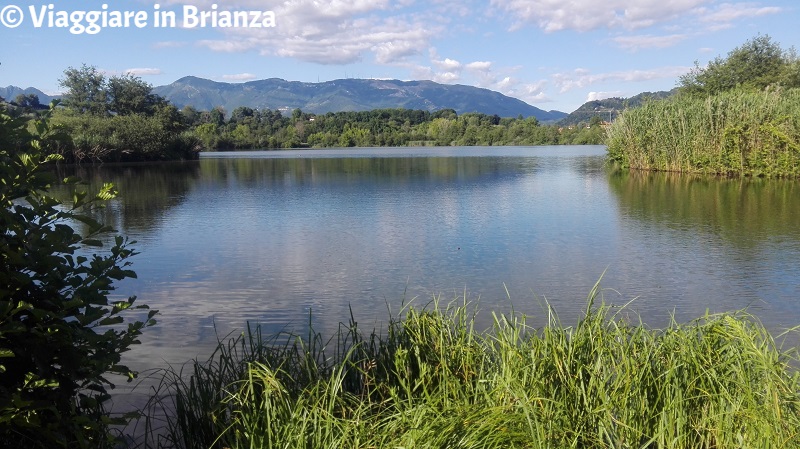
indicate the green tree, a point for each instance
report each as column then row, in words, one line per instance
column 215, row 116
column 242, row 136
column 758, row 63
column 208, row 135
column 60, row 335
column 85, row 90
column 128, row 94
column 190, row 116
column 241, row 114
column 27, row 102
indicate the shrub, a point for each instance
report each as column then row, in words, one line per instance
column 60, row 333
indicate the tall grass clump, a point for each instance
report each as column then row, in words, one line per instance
column 432, row 380
column 738, row 132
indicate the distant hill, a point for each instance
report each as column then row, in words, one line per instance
column 11, row 92
column 347, row 95
column 610, row 107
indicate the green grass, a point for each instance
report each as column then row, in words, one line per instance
column 432, row 380
column 734, row 133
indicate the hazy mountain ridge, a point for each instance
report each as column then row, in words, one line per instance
column 364, row 95
column 347, row 95
column 11, row 92
column 609, row 108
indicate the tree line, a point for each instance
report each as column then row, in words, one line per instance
column 249, row 128
column 119, row 118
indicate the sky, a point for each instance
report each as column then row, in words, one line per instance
column 552, row 54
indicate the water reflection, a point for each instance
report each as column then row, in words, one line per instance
column 720, row 243
column 147, row 191
column 275, row 236
column 745, row 212
column 275, row 172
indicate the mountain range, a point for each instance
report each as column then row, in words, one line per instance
column 11, row 92
column 609, row 108
column 363, row 95
column 347, row 95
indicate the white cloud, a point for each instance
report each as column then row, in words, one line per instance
column 143, row 71
column 479, row 66
column 729, row 12
column 581, row 78
column 331, row 31
column 634, row 43
column 170, row 44
column 481, row 74
column 388, row 52
column 595, row 96
column 239, row 77
column 586, row 15
column 534, row 93
column 446, row 70
column 447, row 64
column 446, row 77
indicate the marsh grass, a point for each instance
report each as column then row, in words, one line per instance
column 431, row 380
column 734, row 133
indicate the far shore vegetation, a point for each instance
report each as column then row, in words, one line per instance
column 738, row 116
column 119, row 119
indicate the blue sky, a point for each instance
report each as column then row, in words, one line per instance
column 549, row 53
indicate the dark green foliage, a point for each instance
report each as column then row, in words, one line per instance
column 119, row 119
column 757, row 64
column 85, row 90
column 28, row 102
column 266, row 129
column 61, row 334
column 128, row 94
column 89, row 92
column 126, row 138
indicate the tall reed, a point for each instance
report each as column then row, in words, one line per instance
column 733, row 133
column 431, row 380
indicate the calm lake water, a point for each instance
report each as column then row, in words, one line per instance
column 270, row 237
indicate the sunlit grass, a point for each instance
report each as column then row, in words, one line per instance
column 432, row 380
column 733, row 133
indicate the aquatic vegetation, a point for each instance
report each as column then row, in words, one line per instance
column 432, row 379
column 739, row 132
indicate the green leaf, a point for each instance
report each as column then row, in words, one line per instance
column 111, row 320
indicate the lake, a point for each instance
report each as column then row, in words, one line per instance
column 278, row 237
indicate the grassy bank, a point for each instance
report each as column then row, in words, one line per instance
column 431, row 379
column 738, row 132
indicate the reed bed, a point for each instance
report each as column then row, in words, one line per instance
column 430, row 379
column 738, row 133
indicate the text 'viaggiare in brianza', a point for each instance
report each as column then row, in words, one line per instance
column 94, row 21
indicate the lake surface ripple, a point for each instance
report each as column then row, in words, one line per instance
column 271, row 237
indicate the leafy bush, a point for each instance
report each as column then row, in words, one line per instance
column 124, row 138
column 60, row 333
